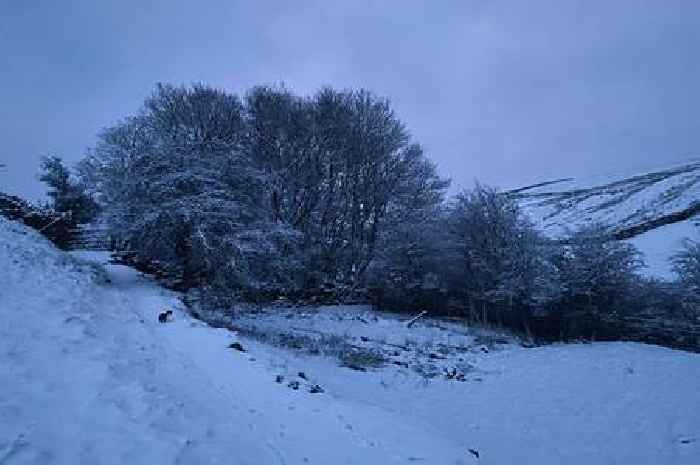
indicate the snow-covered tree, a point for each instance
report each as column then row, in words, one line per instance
column 686, row 264
column 67, row 194
column 281, row 141
column 339, row 165
column 178, row 187
column 596, row 271
column 502, row 259
column 317, row 182
column 413, row 246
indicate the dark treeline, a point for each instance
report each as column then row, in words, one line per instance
column 328, row 198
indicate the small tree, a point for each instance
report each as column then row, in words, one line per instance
column 503, row 259
column 597, row 274
column 686, row 265
column 67, row 194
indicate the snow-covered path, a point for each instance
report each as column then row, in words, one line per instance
column 88, row 376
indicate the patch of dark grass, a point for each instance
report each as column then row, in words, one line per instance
column 357, row 357
column 349, row 355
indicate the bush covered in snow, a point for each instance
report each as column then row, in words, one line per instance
column 596, row 276
column 686, row 264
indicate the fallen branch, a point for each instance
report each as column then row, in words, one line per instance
column 416, row 318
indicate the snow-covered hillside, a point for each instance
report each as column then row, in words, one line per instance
column 654, row 210
column 89, row 376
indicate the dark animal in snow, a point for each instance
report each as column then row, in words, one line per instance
column 237, row 346
column 163, row 317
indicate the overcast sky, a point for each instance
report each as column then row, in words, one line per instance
column 505, row 91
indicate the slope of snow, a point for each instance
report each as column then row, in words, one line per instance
column 88, row 375
column 560, row 207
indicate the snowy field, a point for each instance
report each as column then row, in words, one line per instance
column 89, row 376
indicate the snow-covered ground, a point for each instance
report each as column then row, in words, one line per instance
column 89, row 376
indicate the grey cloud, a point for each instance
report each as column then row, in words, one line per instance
column 505, row 91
